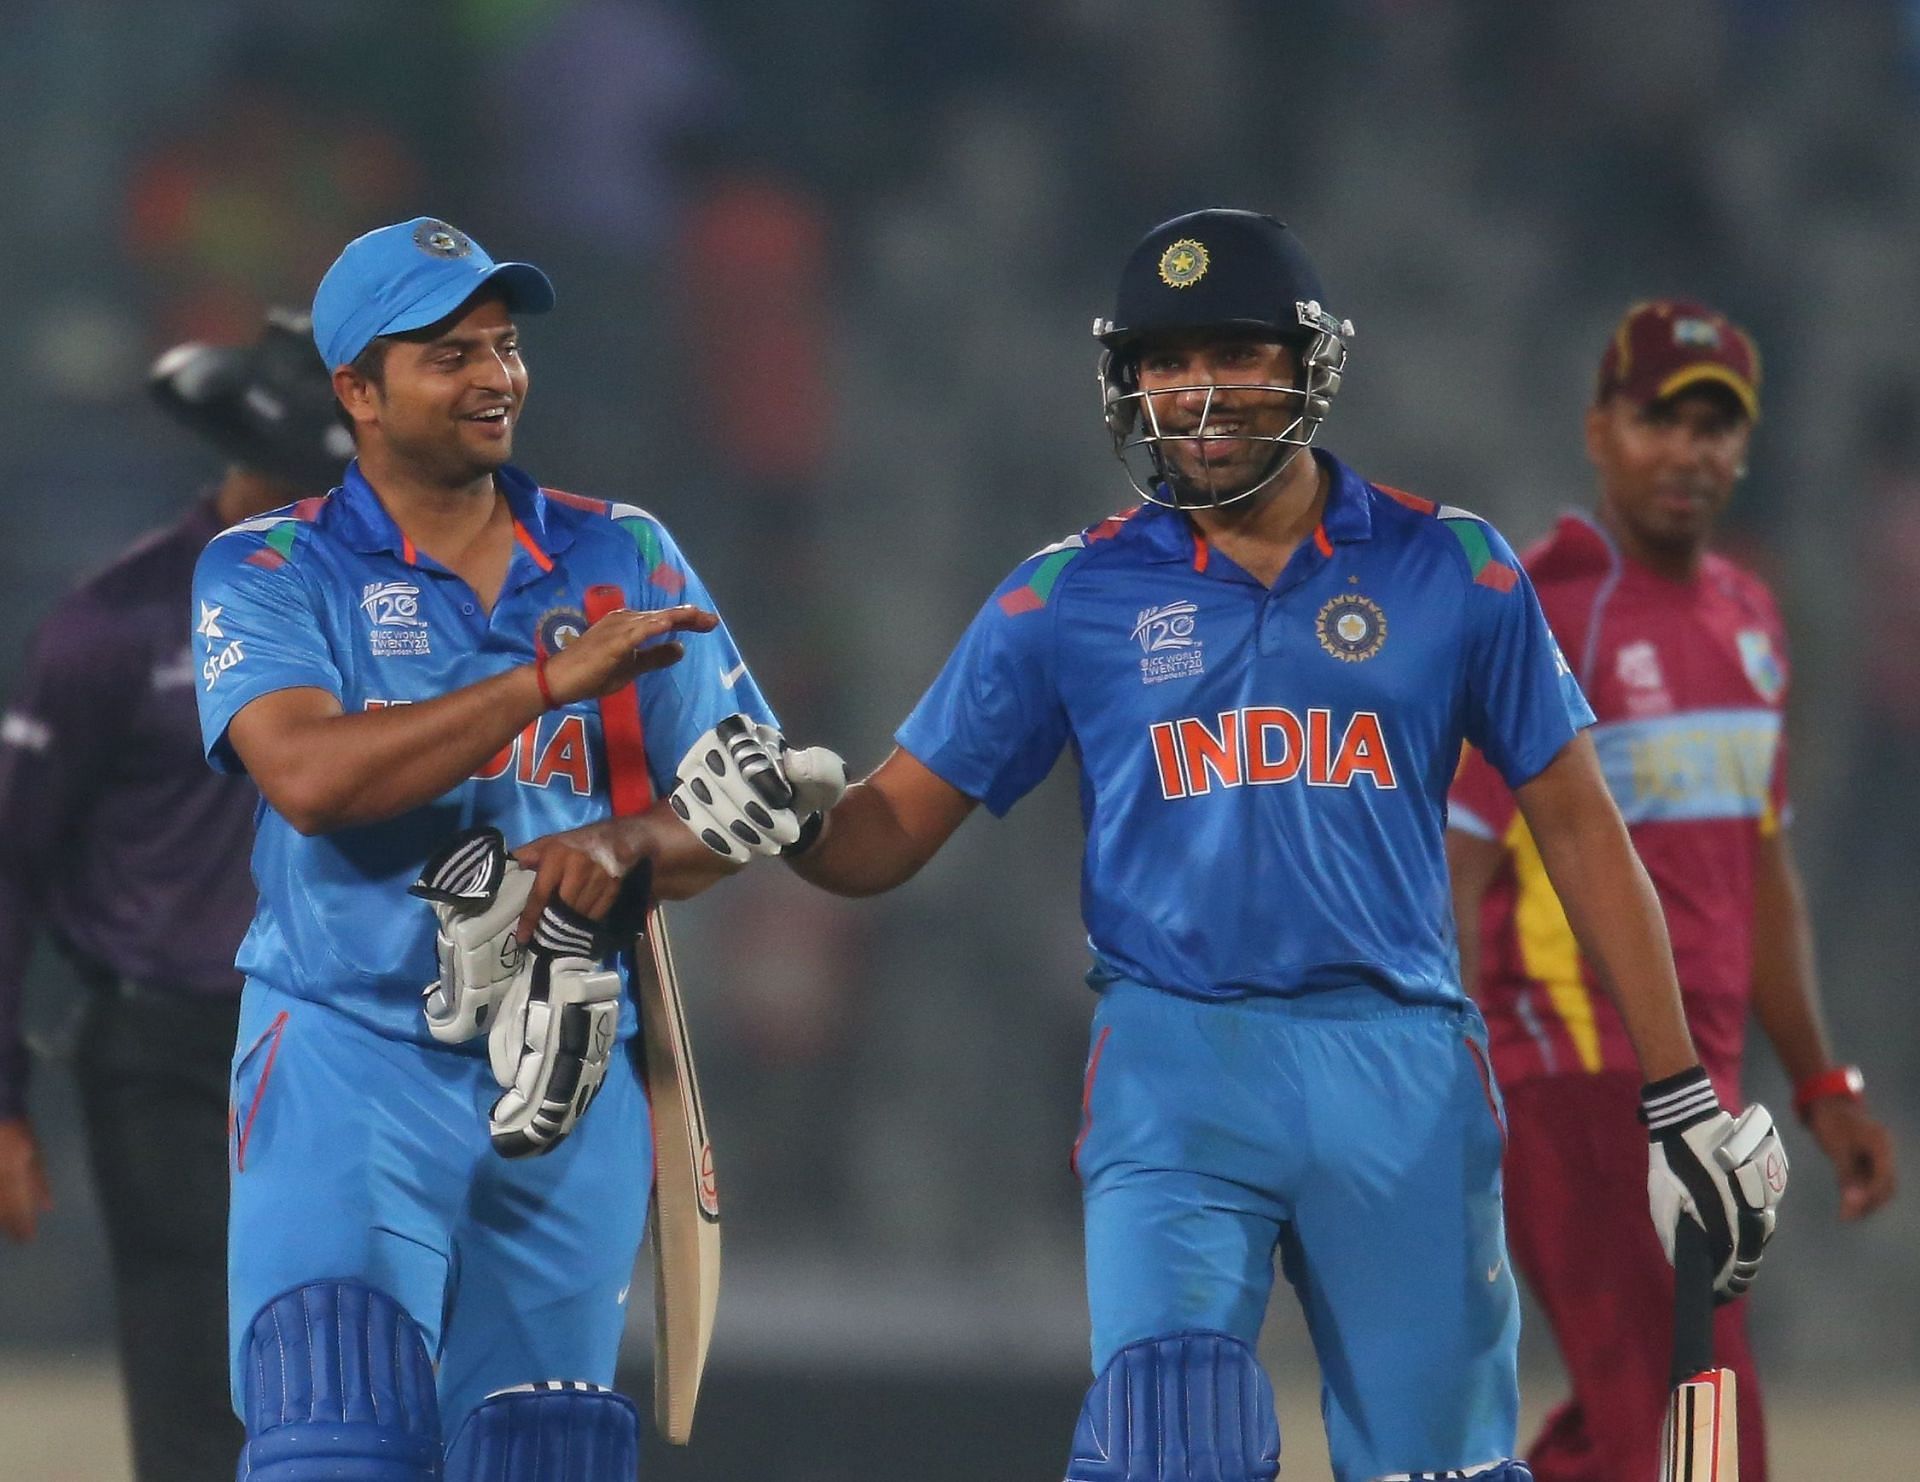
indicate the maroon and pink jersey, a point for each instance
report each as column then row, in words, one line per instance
column 1688, row 681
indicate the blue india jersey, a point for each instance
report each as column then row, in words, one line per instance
column 1263, row 771
column 330, row 594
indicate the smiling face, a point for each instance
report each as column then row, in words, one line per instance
column 1220, row 403
column 1667, row 468
column 442, row 401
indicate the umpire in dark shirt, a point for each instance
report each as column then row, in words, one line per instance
column 119, row 840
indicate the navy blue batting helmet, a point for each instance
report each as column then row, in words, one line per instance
column 1217, row 270
column 1214, row 269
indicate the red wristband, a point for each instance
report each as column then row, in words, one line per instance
column 1841, row 1080
column 540, row 679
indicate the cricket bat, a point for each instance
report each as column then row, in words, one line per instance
column 684, row 1221
column 1701, row 1440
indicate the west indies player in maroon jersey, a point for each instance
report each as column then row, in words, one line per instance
column 1682, row 656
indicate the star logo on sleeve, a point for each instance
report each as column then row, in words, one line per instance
column 209, row 626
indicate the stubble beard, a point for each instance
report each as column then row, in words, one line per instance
column 1217, row 485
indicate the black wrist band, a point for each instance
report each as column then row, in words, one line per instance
column 1678, row 1101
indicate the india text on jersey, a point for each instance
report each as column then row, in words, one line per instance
column 1262, row 744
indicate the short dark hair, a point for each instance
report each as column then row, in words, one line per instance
column 372, row 364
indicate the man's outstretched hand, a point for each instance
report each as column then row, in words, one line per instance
column 623, row 644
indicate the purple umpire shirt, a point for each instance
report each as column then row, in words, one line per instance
column 115, row 835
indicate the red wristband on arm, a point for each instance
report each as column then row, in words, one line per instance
column 1841, row 1080
column 540, row 679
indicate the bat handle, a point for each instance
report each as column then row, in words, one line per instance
column 1693, row 1301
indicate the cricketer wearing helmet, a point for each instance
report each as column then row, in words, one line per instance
column 1266, row 673
column 404, row 659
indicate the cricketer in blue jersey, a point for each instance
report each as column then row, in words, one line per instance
column 400, row 660
column 1265, row 674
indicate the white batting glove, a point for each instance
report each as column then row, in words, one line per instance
column 743, row 791
column 817, row 775
column 554, row 1038
column 1726, row 1174
column 477, row 891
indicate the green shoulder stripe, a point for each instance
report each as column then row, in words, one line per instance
column 1048, row 572
column 646, row 535
column 1055, row 559
column 1473, row 540
column 1471, row 531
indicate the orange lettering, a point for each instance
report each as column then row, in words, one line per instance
column 565, row 755
column 1203, row 752
column 1319, row 746
column 506, row 756
column 1167, row 759
column 1266, row 744
column 1262, row 765
column 1363, row 751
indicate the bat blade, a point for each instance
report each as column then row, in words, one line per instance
column 1702, row 1423
column 1701, row 1439
column 685, row 1220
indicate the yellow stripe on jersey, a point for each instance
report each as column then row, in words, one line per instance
column 1548, row 950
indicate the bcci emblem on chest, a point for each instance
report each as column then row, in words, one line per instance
column 558, row 627
column 1351, row 627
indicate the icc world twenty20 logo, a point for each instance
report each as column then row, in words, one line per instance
column 1167, row 639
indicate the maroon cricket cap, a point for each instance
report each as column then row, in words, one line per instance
column 1666, row 346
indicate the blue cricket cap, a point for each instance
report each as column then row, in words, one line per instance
column 408, row 276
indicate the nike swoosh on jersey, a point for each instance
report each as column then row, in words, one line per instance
column 731, row 677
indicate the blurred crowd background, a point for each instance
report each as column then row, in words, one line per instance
column 826, row 271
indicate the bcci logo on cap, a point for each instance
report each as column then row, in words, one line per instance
column 1184, row 263
column 437, row 239
column 1351, row 627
